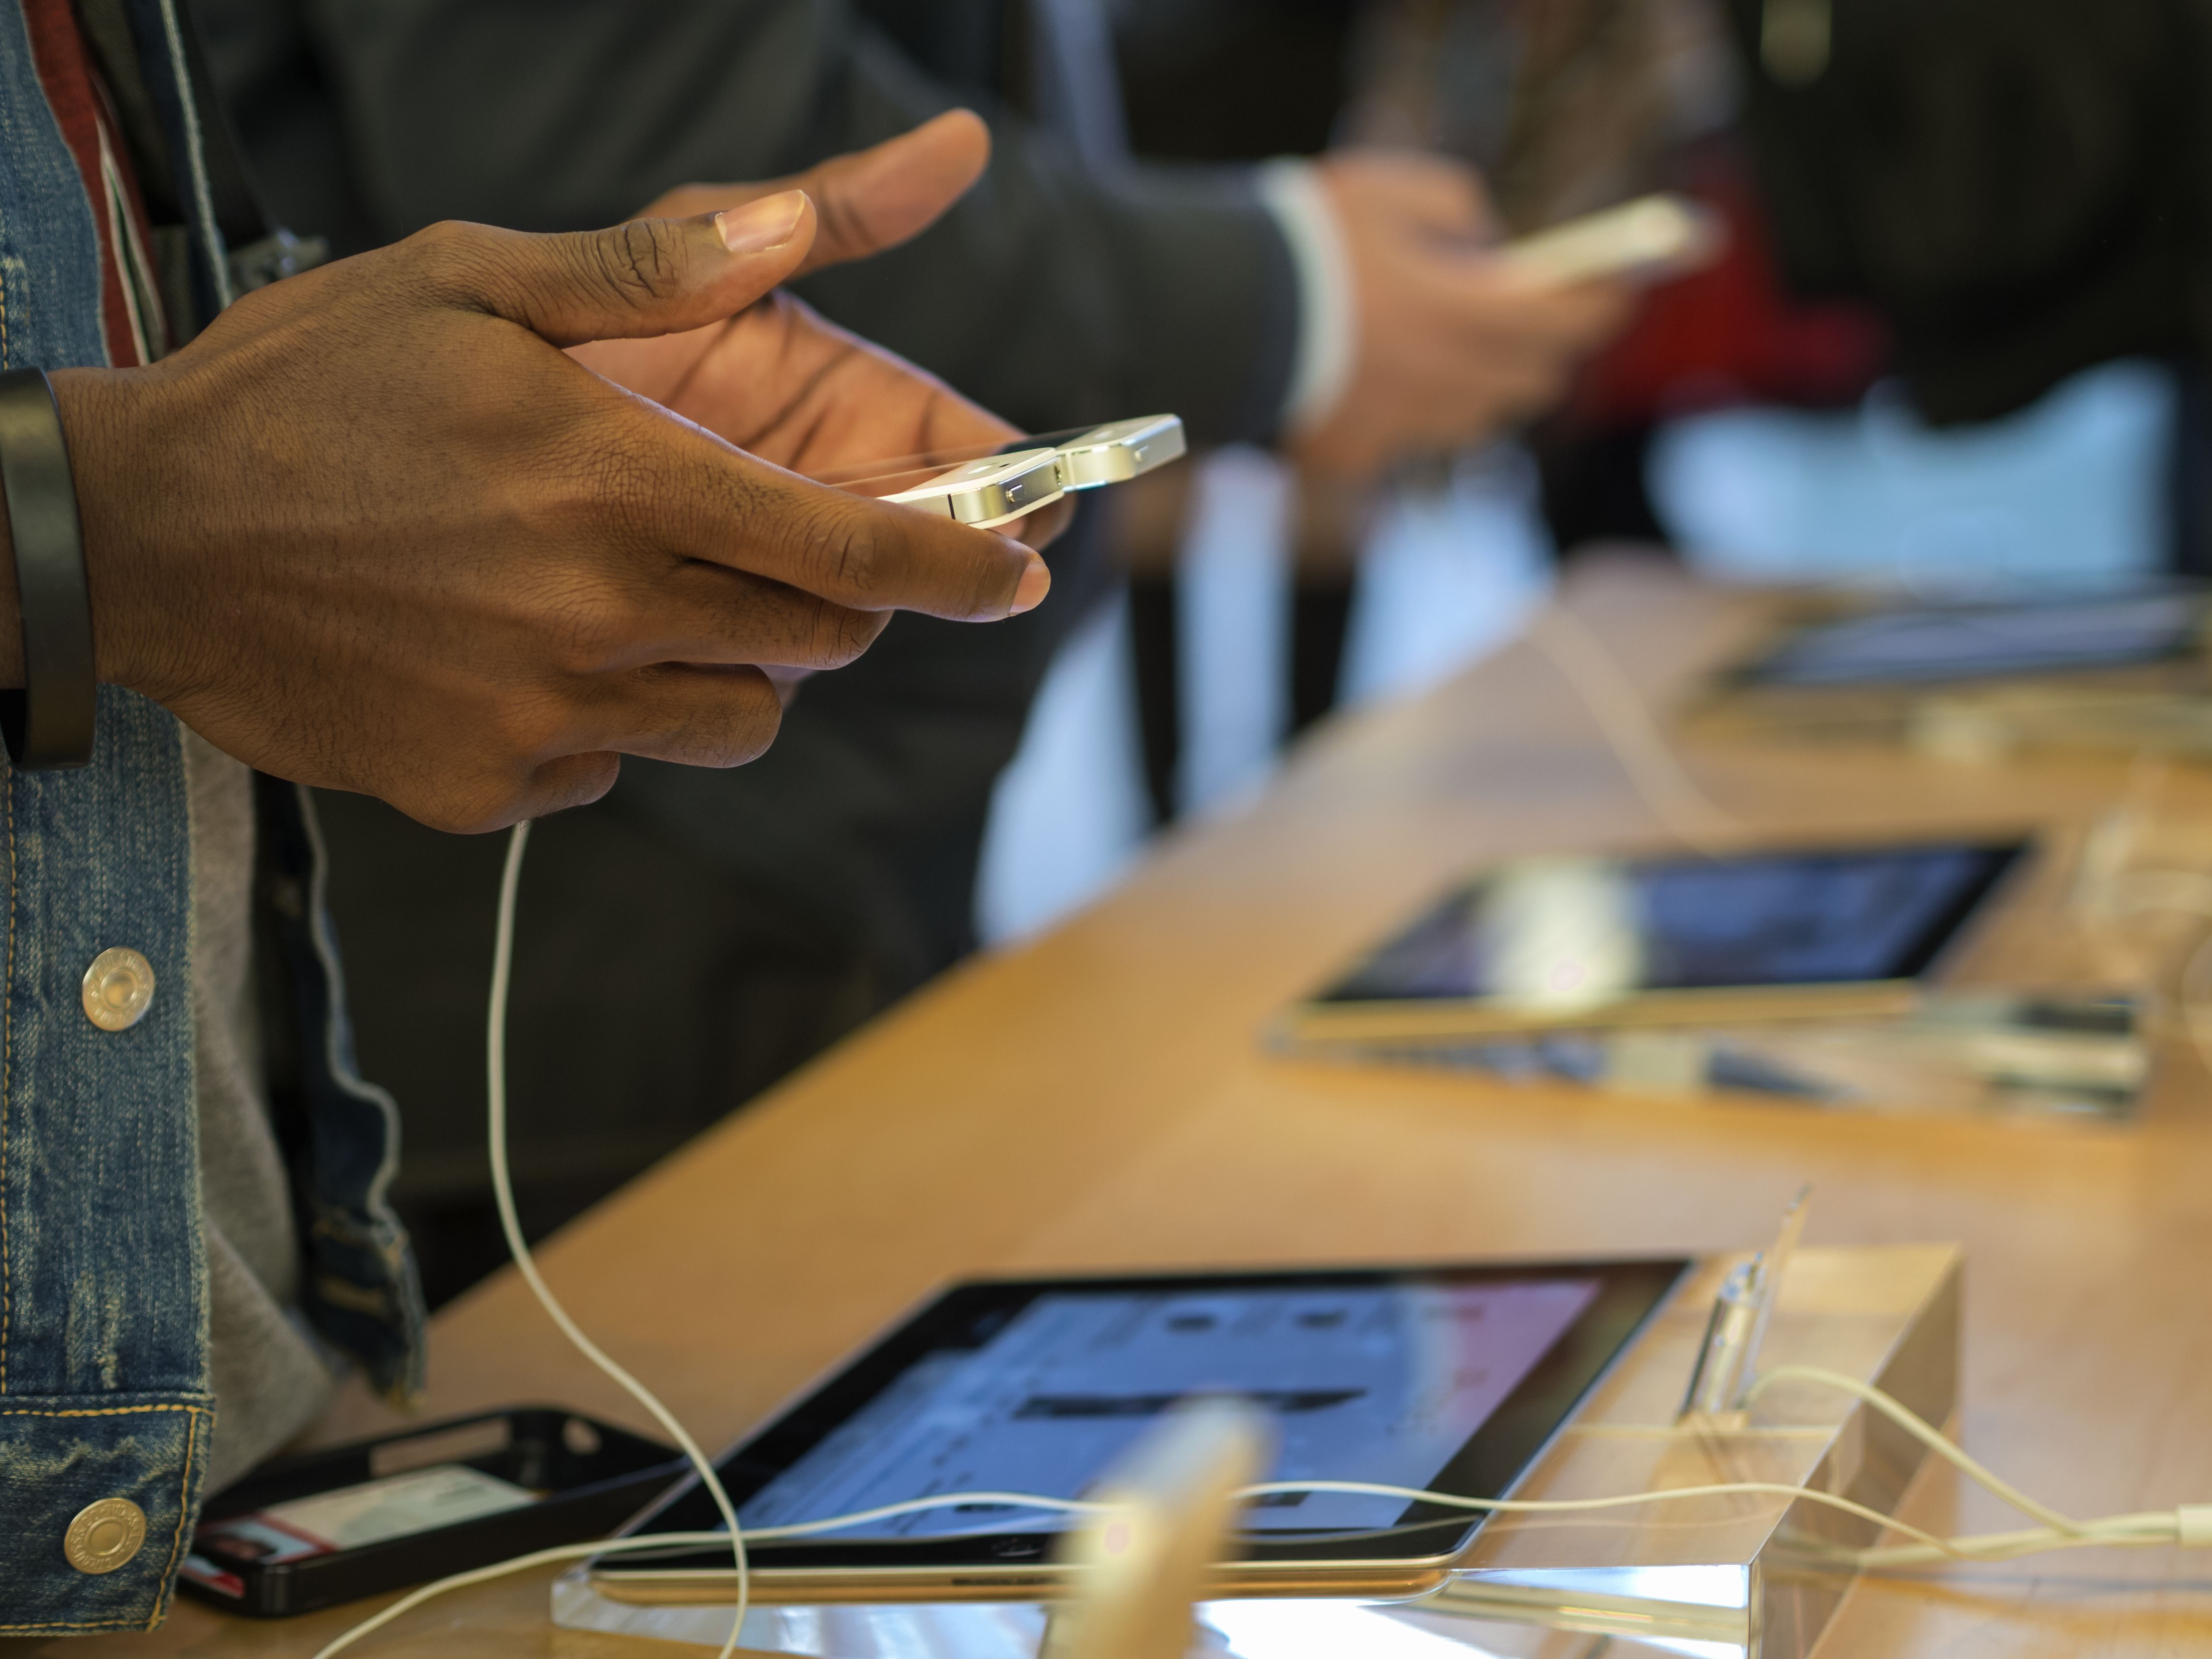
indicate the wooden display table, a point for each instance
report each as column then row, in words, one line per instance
column 1099, row 1099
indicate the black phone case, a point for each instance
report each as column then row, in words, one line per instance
column 596, row 1476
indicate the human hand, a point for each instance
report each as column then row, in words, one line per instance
column 373, row 531
column 781, row 383
column 1451, row 346
column 778, row 380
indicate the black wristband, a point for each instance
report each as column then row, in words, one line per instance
column 47, row 725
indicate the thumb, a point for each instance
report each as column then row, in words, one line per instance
column 874, row 198
column 632, row 281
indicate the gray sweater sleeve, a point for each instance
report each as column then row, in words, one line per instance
column 1049, row 294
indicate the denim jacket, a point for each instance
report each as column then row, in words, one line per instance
column 104, row 1387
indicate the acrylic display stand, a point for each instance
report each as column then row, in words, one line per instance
column 1707, row 1576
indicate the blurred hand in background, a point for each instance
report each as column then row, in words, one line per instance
column 1451, row 346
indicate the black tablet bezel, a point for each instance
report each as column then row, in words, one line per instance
column 2004, row 857
column 1629, row 1292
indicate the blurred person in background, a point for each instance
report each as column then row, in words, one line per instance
column 2019, row 189
column 693, row 938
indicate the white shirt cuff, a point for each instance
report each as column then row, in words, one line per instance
column 1327, row 320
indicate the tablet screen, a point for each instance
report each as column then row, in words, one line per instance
column 1563, row 933
column 1975, row 642
column 1407, row 1379
column 1365, row 1383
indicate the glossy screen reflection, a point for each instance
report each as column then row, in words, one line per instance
column 1557, row 935
column 1367, row 1382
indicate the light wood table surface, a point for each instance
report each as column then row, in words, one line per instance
column 1100, row 1099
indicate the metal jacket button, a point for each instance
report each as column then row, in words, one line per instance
column 105, row 1535
column 118, row 987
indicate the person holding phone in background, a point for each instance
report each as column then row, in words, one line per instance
column 710, row 933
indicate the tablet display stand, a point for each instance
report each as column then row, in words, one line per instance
column 1704, row 1576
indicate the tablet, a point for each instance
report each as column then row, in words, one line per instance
column 1553, row 943
column 1449, row 1378
column 1983, row 641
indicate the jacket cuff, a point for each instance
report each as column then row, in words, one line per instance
column 101, row 1494
column 1328, row 327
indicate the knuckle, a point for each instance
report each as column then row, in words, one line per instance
column 720, row 718
column 641, row 262
column 846, row 554
column 522, row 729
column 444, row 239
column 473, row 806
column 845, row 225
column 754, row 717
column 618, row 488
column 582, row 627
column 841, row 635
column 450, row 259
column 570, row 781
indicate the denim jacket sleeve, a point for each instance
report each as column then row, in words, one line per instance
column 104, row 1400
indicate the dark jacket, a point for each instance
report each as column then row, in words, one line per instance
column 1051, row 294
column 2023, row 187
column 837, row 873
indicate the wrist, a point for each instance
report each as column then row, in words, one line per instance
column 1298, row 196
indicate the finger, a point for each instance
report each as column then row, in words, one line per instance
column 655, row 369
column 1041, row 528
column 1462, row 305
column 693, row 495
column 1484, row 391
column 780, row 383
column 1420, row 192
column 873, row 199
column 495, row 797
column 650, row 277
column 784, row 385
column 1578, row 314
column 885, row 196
column 707, row 613
column 690, row 713
column 559, row 785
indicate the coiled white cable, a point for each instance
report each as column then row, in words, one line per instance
column 2189, row 1525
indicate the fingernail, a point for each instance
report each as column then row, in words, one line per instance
column 1035, row 583
column 759, row 226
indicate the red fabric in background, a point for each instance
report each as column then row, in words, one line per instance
column 66, row 73
column 1729, row 333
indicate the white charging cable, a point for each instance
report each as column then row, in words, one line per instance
column 502, row 1183
column 2189, row 1525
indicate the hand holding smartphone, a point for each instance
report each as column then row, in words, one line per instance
column 1647, row 240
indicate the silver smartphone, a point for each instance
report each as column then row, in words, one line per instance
column 1646, row 240
column 996, row 489
column 1120, row 451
